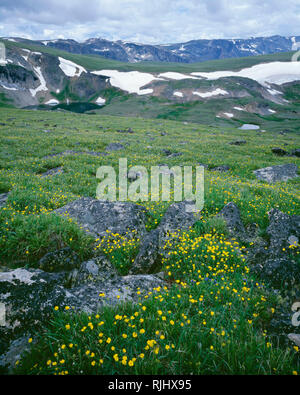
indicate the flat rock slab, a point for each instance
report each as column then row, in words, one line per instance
column 71, row 152
column 98, row 216
column 277, row 173
column 52, row 172
column 114, row 147
column 3, row 199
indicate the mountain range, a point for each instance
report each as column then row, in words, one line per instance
column 188, row 52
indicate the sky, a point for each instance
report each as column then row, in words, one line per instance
column 148, row 21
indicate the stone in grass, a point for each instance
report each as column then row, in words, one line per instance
column 176, row 219
column 98, row 216
column 283, row 230
column 53, row 172
column 129, row 130
column 295, row 338
column 3, row 199
column 277, row 173
column 238, row 142
column 114, row 147
column 279, row 151
column 231, row 215
column 222, row 168
column 296, row 152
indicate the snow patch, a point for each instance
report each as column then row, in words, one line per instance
column 7, row 87
column 176, row 76
column 131, row 81
column 274, row 73
column 71, row 69
column 100, row 101
column 216, row 92
column 178, row 94
column 42, row 86
column 52, row 102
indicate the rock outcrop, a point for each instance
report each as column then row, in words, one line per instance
column 277, row 173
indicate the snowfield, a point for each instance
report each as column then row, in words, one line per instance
column 273, row 73
column 131, row 81
column 178, row 94
column 42, row 86
column 216, row 92
column 71, row 69
column 176, row 76
column 52, row 102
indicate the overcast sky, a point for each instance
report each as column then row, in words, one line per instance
column 148, row 21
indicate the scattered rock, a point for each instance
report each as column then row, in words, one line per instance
column 279, row 272
column 295, row 338
column 281, row 230
column 231, row 214
column 71, row 152
column 171, row 154
column 114, row 147
column 134, row 175
column 97, row 216
column 53, row 172
column 296, row 152
column 238, row 142
column 148, row 259
column 222, row 168
column 279, row 151
column 277, row 173
column 176, row 218
column 3, row 199
column 129, row 130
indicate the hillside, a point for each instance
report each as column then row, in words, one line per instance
column 263, row 90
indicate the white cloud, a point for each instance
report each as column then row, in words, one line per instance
column 155, row 21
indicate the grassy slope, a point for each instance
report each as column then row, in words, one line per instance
column 219, row 322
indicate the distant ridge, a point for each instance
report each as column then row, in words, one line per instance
column 189, row 52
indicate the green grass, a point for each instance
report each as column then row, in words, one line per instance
column 212, row 308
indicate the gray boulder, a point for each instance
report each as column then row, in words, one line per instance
column 231, row 215
column 3, row 199
column 97, row 216
column 28, row 297
column 279, row 151
column 98, row 270
column 283, row 231
column 53, row 172
column 114, row 147
column 277, row 173
column 176, row 219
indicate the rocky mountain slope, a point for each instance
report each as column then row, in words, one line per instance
column 191, row 51
column 265, row 93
